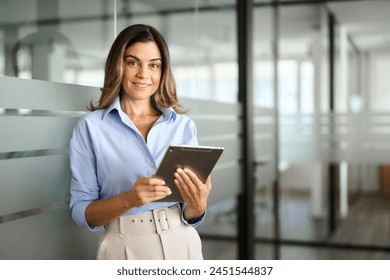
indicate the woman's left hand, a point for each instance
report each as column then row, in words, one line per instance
column 193, row 191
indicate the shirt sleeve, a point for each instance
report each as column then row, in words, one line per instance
column 194, row 134
column 84, row 186
column 193, row 222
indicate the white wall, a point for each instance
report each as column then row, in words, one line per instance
column 379, row 82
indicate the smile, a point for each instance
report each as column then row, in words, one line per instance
column 141, row 85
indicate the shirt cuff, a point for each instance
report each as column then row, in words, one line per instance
column 78, row 214
column 192, row 222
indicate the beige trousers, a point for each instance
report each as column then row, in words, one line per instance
column 154, row 235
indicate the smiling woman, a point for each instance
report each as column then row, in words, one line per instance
column 141, row 78
column 142, row 71
column 121, row 54
column 116, row 149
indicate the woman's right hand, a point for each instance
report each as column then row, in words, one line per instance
column 146, row 190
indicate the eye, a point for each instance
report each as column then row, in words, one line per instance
column 132, row 63
column 154, row 66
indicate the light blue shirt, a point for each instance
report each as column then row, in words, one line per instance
column 107, row 154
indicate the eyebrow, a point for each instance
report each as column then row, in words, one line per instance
column 133, row 56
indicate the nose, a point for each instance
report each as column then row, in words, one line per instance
column 143, row 72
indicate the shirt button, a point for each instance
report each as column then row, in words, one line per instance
column 151, row 164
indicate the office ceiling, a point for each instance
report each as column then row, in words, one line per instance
column 367, row 22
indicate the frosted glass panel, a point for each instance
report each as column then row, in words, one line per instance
column 35, row 133
column 57, row 98
column 32, row 182
column 49, row 236
column 56, row 40
column 355, row 138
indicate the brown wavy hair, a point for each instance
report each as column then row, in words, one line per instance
column 165, row 96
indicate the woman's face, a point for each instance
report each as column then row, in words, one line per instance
column 142, row 70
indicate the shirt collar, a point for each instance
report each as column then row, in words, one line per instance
column 114, row 105
column 168, row 113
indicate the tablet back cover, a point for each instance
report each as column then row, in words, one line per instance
column 200, row 159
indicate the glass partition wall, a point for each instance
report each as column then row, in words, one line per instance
column 265, row 127
column 54, row 41
column 331, row 130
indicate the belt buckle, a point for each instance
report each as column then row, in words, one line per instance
column 161, row 219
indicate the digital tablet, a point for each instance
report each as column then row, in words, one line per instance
column 199, row 159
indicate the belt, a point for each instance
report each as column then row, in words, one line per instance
column 157, row 220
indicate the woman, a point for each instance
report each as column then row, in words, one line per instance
column 116, row 148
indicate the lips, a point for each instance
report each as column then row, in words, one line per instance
column 141, row 85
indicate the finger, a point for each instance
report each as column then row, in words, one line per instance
column 151, row 190
column 179, row 182
column 159, row 194
column 152, row 195
column 147, row 182
column 155, row 181
column 157, row 190
column 188, row 190
column 185, row 192
column 185, row 177
column 208, row 183
column 141, row 199
column 184, row 180
column 192, row 176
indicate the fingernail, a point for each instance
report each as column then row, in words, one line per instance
column 179, row 170
column 163, row 183
column 169, row 191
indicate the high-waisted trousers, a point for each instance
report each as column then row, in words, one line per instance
column 153, row 235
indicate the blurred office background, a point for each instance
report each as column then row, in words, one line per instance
column 298, row 93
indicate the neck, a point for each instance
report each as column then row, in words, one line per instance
column 138, row 108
